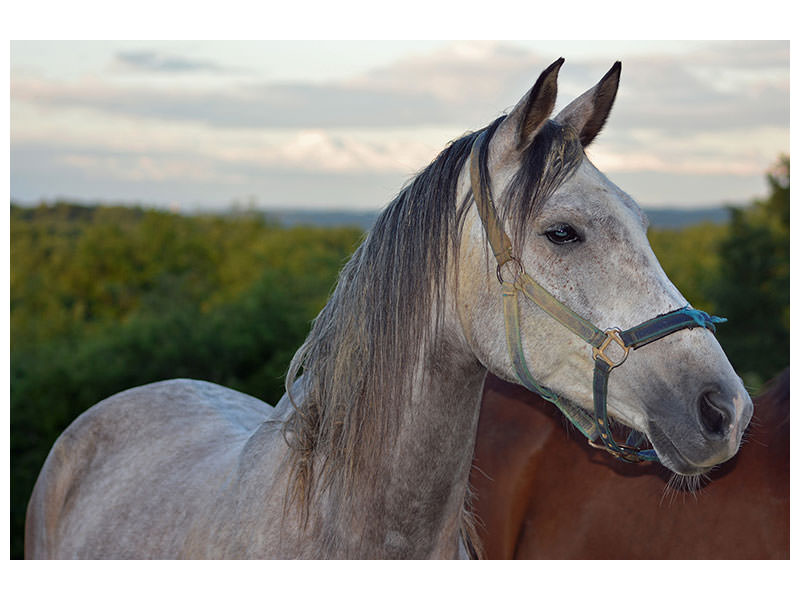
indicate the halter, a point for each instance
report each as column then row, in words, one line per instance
column 595, row 427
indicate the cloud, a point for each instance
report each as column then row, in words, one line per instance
column 156, row 62
column 682, row 96
column 132, row 167
column 334, row 150
column 474, row 81
column 751, row 54
column 720, row 110
column 466, row 84
column 165, row 179
column 254, row 106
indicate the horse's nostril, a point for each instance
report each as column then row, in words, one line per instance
column 714, row 415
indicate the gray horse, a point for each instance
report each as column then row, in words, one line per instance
column 368, row 454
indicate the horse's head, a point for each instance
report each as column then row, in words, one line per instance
column 584, row 240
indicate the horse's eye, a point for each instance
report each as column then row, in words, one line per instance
column 562, row 234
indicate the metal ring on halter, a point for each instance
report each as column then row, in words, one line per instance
column 612, row 335
column 623, row 452
column 513, row 259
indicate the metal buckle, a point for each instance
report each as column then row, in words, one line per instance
column 612, row 335
column 625, row 452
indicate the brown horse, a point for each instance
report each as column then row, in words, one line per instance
column 542, row 492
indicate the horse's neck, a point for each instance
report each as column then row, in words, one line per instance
column 434, row 450
column 415, row 508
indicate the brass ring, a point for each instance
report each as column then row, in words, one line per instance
column 515, row 260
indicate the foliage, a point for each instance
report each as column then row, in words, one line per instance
column 690, row 259
column 751, row 286
column 104, row 299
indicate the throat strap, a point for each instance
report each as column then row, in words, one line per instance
column 580, row 418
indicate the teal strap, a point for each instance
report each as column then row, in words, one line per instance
column 663, row 325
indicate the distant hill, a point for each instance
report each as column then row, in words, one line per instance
column 324, row 218
column 660, row 218
column 669, row 218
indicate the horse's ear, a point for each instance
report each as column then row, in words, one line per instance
column 518, row 129
column 588, row 113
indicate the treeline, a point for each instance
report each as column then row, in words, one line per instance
column 107, row 298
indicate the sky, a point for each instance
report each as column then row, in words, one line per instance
column 343, row 125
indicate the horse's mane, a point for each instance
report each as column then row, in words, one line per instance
column 359, row 358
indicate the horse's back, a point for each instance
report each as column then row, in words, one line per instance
column 135, row 475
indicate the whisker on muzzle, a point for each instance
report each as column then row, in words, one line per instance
column 682, row 486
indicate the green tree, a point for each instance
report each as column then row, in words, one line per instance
column 690, row 258
column 752, row 285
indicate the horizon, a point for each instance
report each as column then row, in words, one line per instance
column 245, row 207
column 199, row 126
column 659, row 218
